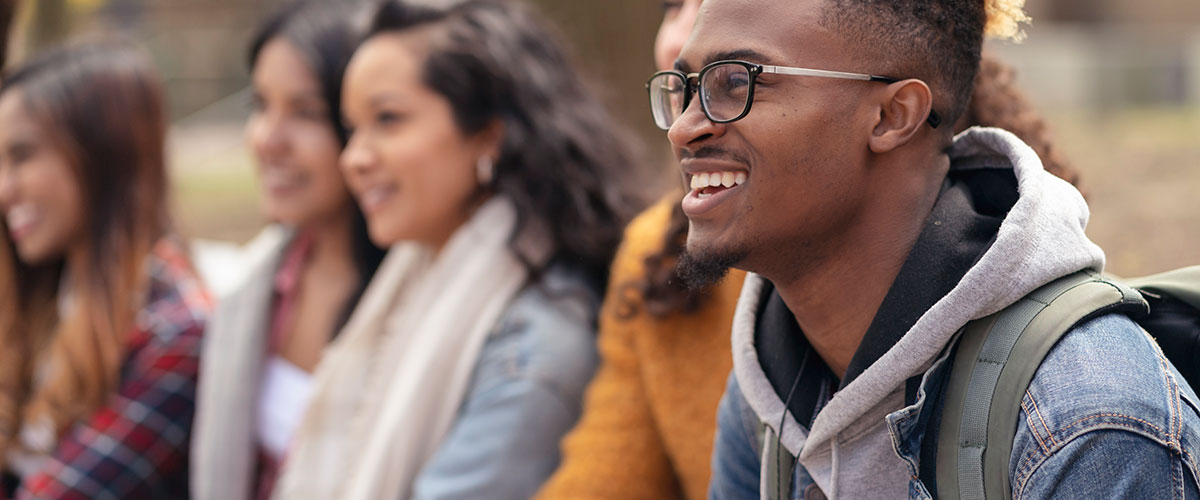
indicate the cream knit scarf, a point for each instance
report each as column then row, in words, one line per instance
column 388, row 389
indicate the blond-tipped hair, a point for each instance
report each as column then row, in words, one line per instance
column 1004, row 19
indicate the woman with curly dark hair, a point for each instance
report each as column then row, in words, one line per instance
column 502, row 186
column 665, row 347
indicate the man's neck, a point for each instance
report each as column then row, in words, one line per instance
column 836, row 296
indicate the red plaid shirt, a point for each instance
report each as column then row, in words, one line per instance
column 136, row 446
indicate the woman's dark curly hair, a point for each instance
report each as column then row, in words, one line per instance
column 563, row 160
column 995, row 102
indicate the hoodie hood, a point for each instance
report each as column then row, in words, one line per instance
column 1041, row 238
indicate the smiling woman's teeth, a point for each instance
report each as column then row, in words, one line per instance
column 375, row 196
column 20, row 216
column 717, row 179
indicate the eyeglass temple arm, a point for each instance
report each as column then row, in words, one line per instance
column 934, row 119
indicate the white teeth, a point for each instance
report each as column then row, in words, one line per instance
column 375, row 196
column 277, row 177
column 718, row 179
column 20, row 215
column 702, row 195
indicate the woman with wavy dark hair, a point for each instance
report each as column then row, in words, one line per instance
column 502, row 185
column 100, row 311
column 306, row 273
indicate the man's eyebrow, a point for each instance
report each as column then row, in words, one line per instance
column 750, row 55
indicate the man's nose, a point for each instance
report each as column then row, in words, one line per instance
column 693, row 127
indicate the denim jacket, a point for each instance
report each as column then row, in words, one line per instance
column 1106, row 416
column 525, row 394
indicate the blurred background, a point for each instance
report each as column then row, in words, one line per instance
column 1118, row 81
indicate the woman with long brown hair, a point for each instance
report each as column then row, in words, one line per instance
column 272, row 331
column 100, row 311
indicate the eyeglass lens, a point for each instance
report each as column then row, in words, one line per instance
column 724, row 92
column 667, row 93
column 725, row 89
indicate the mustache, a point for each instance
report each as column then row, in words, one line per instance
column 711, row 152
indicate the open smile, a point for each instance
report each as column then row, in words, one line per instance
column 20, row 221
column 711, row 189
column 374, row 198
column 282, row 180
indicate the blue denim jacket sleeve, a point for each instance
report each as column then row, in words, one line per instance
column 735, row 462
column 1107, row 416
column 525, row 395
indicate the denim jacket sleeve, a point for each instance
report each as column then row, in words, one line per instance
column 524, row 396
column 1107, row 416
column 735, row 461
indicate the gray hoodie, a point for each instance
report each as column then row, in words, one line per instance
column 848, row 450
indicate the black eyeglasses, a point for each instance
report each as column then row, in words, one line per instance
column 726, row 90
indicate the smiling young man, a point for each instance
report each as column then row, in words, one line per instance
column 809, row 132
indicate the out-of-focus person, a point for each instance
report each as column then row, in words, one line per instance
column 665, row 349
column 305, row 274
column 502, row 185
column 101, row 314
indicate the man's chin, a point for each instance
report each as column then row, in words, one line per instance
column 700, row 267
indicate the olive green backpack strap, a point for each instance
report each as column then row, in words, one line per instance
column 996, row 359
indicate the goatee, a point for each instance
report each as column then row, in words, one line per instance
column 700, row 270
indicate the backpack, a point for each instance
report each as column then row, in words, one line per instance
column 998, row 355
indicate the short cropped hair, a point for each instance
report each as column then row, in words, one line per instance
column 936, row 41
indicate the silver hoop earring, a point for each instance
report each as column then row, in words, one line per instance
column 485, row 170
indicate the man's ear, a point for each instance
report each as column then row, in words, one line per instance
column 904, row 107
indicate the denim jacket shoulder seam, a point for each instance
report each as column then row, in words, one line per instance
column 1032, row 463
column 1049, row 436
column 1175, row 417
column 1191, row 463
column 1037, row 435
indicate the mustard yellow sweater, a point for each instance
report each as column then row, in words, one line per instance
column 650, row 413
